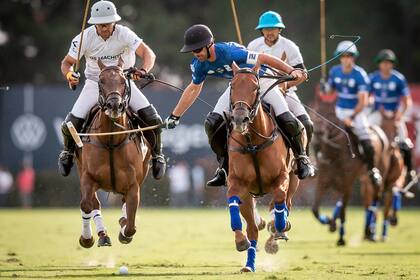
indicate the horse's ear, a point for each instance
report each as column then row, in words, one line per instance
column 101, row 64
column 235, row 68
column 120, row 62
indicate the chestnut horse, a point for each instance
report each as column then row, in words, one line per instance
column 117, row 163
column 393, row 182
column 259, row 162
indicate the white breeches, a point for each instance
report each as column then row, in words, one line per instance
column 89, row 98
column 360, row 122
column 376, row 118
column 295, row 104
column 274, row 97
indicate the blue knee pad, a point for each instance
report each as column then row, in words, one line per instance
column 252, row 252
column 337, row 209
column 280, row 216
column 235, row 218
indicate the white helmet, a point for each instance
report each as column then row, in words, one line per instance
column 346, row 47
column 103, row 12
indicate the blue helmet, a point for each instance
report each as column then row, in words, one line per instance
column 270, row 19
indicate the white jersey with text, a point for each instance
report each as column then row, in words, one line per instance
column 122, row 43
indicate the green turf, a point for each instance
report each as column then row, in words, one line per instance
column 198, row 244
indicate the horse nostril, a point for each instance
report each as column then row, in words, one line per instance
column 120, row 106
column 246, row 120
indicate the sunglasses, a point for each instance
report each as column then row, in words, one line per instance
column 198, row 50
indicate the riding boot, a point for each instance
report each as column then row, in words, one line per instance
column 406, row 149
column 217, row 134
column 148, row 116
column 369, row 156
column 65, row 158
column 309, row 129
column 292, row 130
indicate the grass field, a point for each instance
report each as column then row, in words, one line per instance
column 198, row 244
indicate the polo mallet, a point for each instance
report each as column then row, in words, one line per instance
column 235, row 19
column 76, row 68
column 322, row 39
column 406, row 189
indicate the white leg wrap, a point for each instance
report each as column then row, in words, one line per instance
column 122, row 230
column 99, row 222
column 124, row 211
column 86, row 229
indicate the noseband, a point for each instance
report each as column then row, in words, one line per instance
column 126, row 95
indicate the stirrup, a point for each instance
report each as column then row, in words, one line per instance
column 158, row 166
column 219, row 178
column 304, row 167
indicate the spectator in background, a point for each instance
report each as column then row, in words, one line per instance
column 25, row 182
column 179, row 184
column 6, row 183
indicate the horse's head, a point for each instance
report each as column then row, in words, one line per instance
column 243, row 97
column 114, row 93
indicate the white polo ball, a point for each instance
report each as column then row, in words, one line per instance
column 123, row 270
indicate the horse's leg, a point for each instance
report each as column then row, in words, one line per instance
column 389, row 201
column 86, row 239
column 233, row 196
column 258, row 219
column 128, row 229
column 342, row 215
column 104, row 239
column 247, row 209
column 293, row 186
column 281, row 212
column 319, row 193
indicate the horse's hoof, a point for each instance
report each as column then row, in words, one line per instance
column 86, row 243
column 393, row 220
column 124, row 239
column 370, row 238
column 243, row 245
column 341, row 242
column 384, row 238
column 271, row 246
column 262, row 224
column 104, row 240
column 247, row 269
column 333, row 225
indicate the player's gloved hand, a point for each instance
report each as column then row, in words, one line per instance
column 172, row 121
column 73, row 79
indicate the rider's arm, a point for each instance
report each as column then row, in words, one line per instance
column 363, row 99
column 277, row 63
column 188, row 97
column 67, row 64
column 148, row 56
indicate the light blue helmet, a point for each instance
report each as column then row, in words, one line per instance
column 270, row 19
column 346, row 47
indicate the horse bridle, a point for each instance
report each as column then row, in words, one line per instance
column 126, row 95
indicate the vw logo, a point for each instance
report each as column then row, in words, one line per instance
column 28, row 132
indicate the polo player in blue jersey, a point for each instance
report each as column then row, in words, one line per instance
column 216, row 59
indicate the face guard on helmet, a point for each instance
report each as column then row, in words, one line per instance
column 346, row 47
column 270, row 19
column 103, row 12
column 197, row 37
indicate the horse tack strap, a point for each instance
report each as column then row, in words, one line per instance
column 253, row 149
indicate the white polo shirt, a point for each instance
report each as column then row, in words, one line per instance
column 284, row 49
column 123, row 42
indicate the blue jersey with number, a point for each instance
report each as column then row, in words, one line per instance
column 226, row 54
column 387, row 92
column 348, row 85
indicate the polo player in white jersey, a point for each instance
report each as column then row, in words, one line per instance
column 108, row 41
column 271, row 42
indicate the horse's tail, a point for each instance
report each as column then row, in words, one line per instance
column 382, row 137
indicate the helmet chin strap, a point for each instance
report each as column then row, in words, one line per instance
column 208, row 49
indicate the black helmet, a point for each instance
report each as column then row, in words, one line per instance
column 197, row 36
column 385, row 54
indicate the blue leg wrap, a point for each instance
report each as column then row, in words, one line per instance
column 252, row 252
column 235, row 218
column 337, row 210
column 396, row 201
column 341, row 230
column 280, row 216
column 371, row 217
column 324, row 219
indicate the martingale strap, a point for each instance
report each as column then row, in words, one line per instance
column 253, row 149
